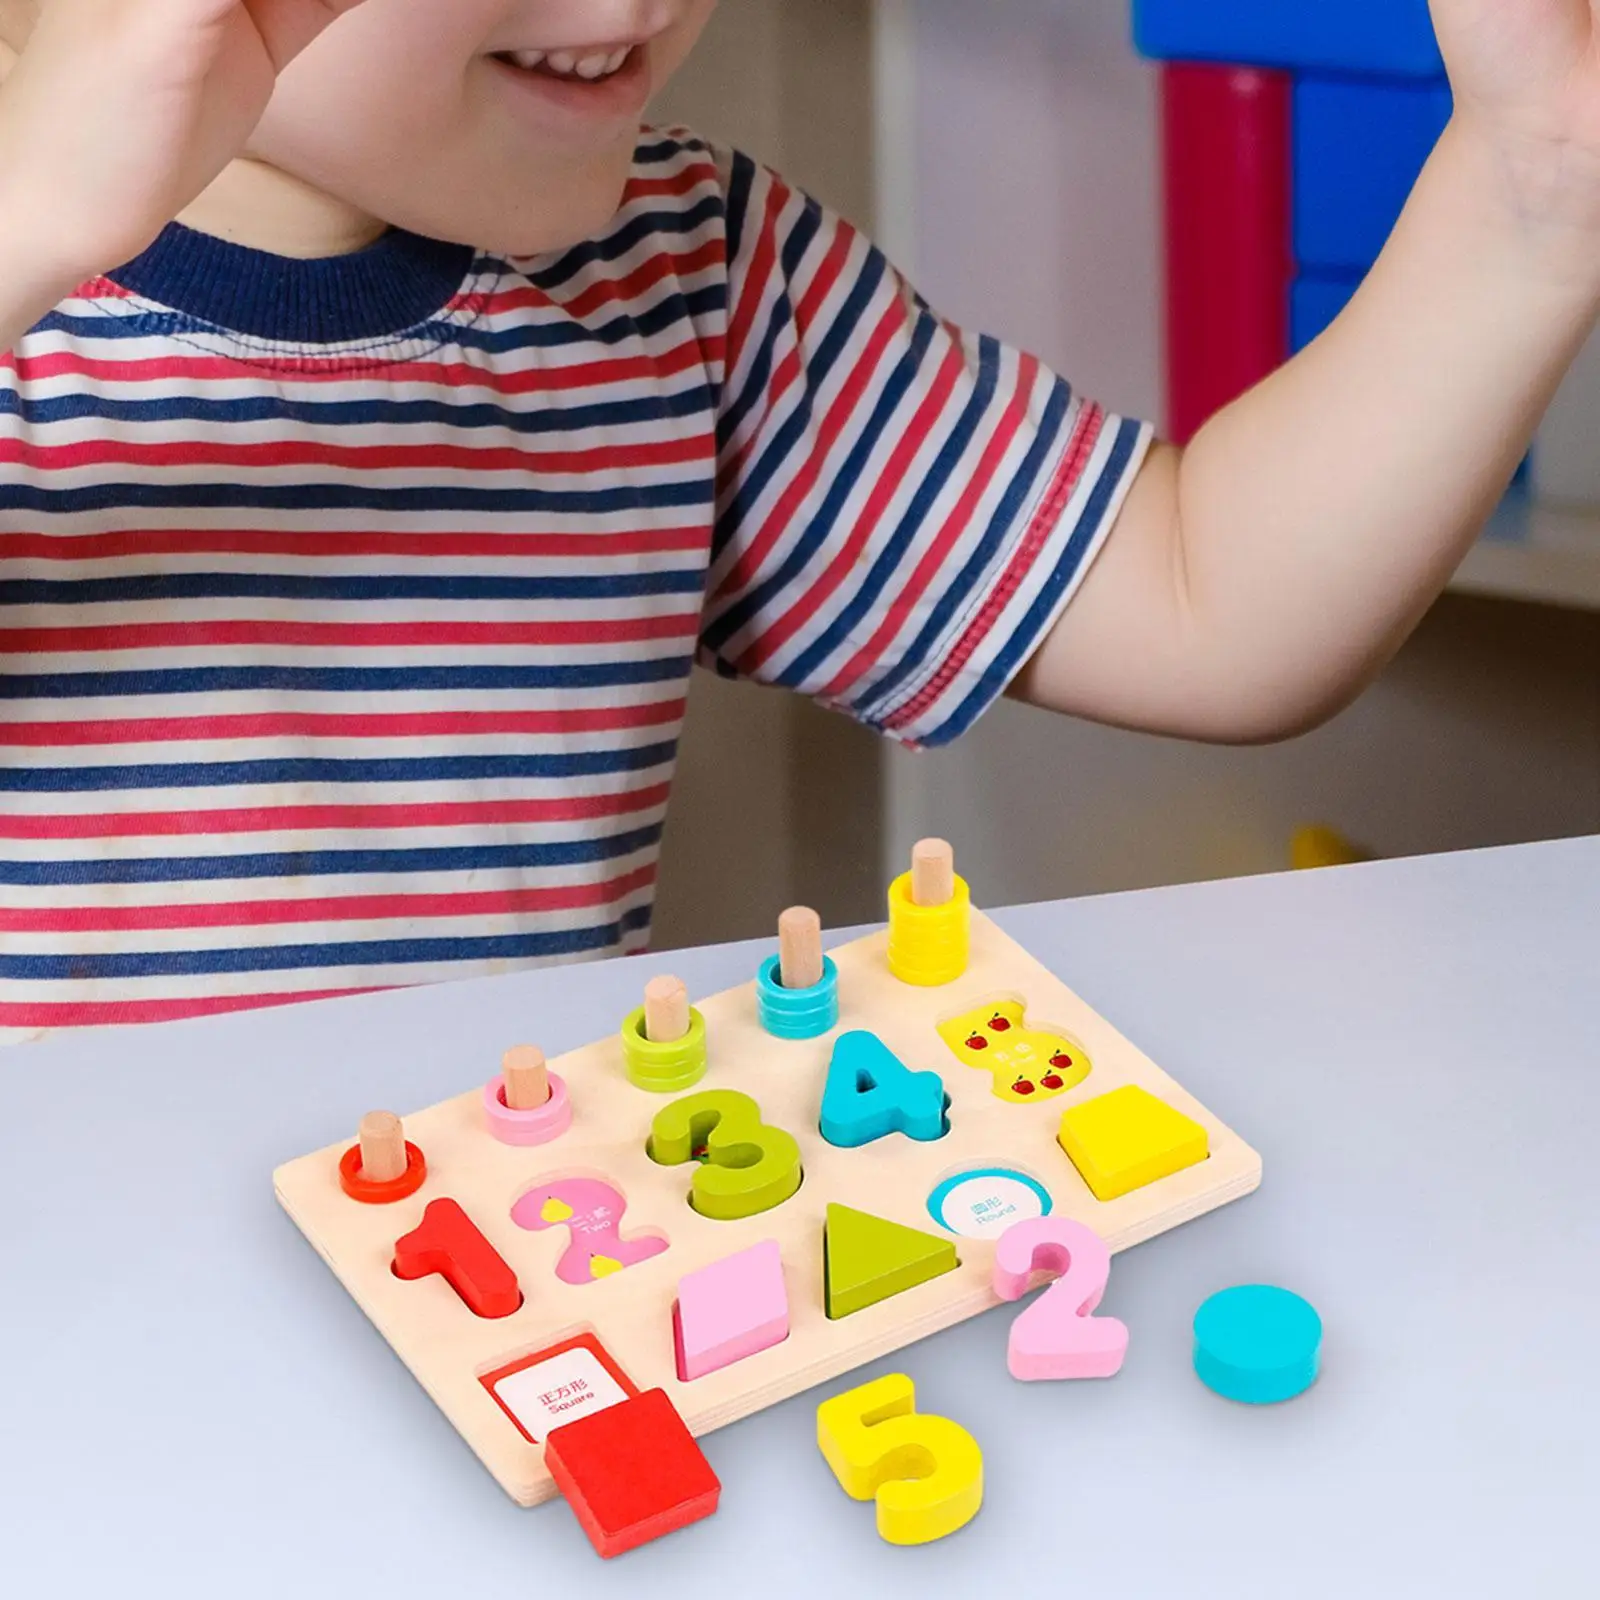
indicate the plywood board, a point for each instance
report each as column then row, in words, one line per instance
column 630, row 1311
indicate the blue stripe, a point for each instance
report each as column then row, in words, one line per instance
column 547, row 417
column 1003, row 528
column 780, row 318
column 424, row 769
column 795, row 434
column 812, row 543
column 292, row 957
column 327, row 863
column 305, row 496
column 1029, row 634
column 154, row 586
column 646, row 225
column 336, row 680
column 665, row 151
column 741, row 184
column 899, row 548
column 487, row 337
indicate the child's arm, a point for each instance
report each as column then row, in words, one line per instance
column 1256, row 582
column 115, row 118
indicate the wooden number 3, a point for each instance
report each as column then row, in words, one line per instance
column 1058, row 1336
column 748, row 1167
column 926, row 1473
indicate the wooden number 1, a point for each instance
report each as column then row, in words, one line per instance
column 1058, row 1336
column 748, row 1167
column 926, row 1473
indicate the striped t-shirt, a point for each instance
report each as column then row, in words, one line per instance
column 347, row 606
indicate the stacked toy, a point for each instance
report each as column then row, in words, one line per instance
column 1294, row 131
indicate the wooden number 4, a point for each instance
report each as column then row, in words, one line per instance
column 747, row 1167
column 926, row 1473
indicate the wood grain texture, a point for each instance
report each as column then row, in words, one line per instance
column 631, row 1310
column 800, row 948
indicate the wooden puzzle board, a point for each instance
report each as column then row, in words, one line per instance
column 447, row 1348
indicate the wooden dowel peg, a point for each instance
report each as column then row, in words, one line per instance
column 526, row 1078
column 933, row 872
column 383, row 1147
column 800, row 948
column 666, row 1010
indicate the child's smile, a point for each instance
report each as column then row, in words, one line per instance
column 606, row 82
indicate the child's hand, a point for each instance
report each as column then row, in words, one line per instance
column 1526, row 76
column 120, row 112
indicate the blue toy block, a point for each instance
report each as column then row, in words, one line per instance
column 1257, row 1344
column 1359, row 147
column 1314, row 303
column 1393, row 37
column 871, row 1093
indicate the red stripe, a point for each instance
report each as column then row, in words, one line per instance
column 790, row 369
column 117, row 1013
column 328, row 725
column 756, row 278
column 938, row 551
column 167, row 368
column 612, row 460
column 332, row 908
column 123, row 542
column 890, row 484
column 1046, row 519
column 841, row 413
column 329, row 818
column 656, row 269
column 344, row 635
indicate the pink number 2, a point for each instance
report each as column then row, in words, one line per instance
column 1058, row 1336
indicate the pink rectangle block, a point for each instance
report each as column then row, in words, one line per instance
column 730, row 1310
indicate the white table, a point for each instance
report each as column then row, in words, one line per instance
column 192, row 1405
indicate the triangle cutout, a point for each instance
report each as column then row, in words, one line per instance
column 865, row 1259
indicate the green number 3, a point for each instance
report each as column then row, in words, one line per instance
column 749, row 1168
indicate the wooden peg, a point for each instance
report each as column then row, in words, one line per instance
column 666, row 1010
column 526, row 1079
column 800, row 948
column 383, row 1147
column 933, row 873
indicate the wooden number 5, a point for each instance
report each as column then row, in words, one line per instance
column 1057, row 1336
column 748, row 1167
column 926, row 1473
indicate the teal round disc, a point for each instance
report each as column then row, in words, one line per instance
column 1257, row 1344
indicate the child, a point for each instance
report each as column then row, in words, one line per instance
column 357, row 529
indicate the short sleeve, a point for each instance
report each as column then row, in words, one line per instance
column 903, row 509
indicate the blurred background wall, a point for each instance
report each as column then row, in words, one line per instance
column 1006, row 155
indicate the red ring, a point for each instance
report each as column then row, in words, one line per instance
column 381, row 1194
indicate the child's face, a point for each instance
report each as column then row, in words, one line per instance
column 404, row 110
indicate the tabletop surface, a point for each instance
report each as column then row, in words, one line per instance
column 192, row 1404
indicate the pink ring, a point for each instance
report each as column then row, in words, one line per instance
column 538, row 1126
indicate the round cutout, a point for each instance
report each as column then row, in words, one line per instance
column 982, row 1202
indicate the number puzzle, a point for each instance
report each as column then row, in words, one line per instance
column 723, row 1203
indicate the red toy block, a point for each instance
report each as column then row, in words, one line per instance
column 1229, row 193
column 448, row 1241
column 632, row 1473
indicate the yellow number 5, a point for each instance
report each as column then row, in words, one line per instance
column 926, row 1473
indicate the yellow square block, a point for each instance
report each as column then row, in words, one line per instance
column 1125, row 1139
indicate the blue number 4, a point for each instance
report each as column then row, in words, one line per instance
column 871, row 1093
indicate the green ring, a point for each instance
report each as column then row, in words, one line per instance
column 664, row 1068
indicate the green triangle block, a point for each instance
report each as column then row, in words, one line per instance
column 865, row 1259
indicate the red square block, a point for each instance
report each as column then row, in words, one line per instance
column 632, row 1472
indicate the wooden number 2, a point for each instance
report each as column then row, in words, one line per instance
column 1058, row 1336
column 926, row 1473
column 748, row 1168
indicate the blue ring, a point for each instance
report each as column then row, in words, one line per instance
column 797, row 1013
